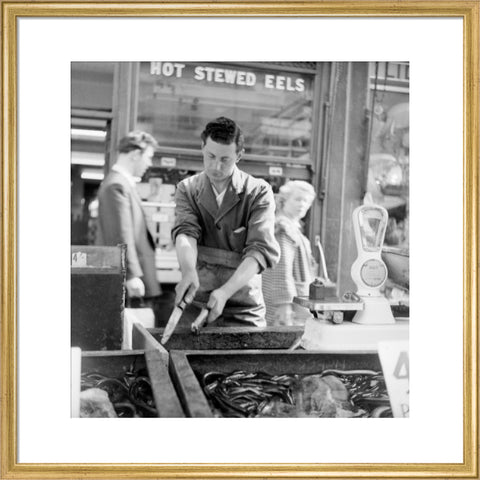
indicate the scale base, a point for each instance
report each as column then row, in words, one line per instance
column 376, row 311
column 324, row 336
column 328, row 304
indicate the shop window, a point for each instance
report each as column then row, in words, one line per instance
column 388, row 174
column 389, row 161
column 273, row 108
column 89, row 133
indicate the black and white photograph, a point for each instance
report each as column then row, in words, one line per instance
column 240, row 239
column 218, row 260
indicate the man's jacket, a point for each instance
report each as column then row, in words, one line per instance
column 121, row 220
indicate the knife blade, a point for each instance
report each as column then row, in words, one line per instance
column 172, row 322
column 200, row 320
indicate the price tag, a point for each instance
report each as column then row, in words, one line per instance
column 168, row 162
column 395, row 365
column 79, row 260
column 275, row 171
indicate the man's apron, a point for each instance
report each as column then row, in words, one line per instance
column 215, row 267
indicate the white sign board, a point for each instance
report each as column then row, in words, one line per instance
column 168, row 162
column 275, row 171
column 79, row 260
column 396, row 370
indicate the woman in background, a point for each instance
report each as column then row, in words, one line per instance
column 296, row 269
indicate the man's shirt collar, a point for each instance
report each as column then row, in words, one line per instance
column 219, row 196
column 238, row 180
column 123, row 171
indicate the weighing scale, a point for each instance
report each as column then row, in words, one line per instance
column 369, row 271
column 373, row 320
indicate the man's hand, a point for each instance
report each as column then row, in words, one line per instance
column 283, row 315
column 187, row 287
column 216, row 304
column 135, row 287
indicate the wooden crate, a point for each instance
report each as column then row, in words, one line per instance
column 97, row 297
column 219, row 338
column 188, row 367
column 116, row 363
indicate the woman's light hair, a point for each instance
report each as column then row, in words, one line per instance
column 292, row 186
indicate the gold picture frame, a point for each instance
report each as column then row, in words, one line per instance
column 469, row 11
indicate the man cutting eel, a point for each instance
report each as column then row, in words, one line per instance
column 224, row 233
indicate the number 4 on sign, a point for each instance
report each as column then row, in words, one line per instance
column 402, row 368
column 79, row 260
column 396, row 370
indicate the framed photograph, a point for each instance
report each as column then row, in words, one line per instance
column 427, row 52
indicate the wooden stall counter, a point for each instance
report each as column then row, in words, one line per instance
column 219, row 338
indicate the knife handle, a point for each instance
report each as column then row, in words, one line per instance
column 200, row 320
column 182, row 305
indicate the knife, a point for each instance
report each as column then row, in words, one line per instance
column 173, row 321
column 200, row 320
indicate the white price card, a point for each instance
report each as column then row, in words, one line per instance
column 168, row 162
column 275, row 171
column 79, row 259
column 396, row 370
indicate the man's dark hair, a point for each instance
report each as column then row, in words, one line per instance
column 136, row 140
column 225, row 131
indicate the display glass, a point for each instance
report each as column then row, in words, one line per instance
column 273, row 108
column 372, row 228
column 389, row 147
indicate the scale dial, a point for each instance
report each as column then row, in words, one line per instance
column 373, row 273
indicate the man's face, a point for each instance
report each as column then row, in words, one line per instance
column 143, row 160
column 219, row 160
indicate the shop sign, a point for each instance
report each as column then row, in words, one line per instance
column 395, row 71
column 232, row 76
column 396, row 370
